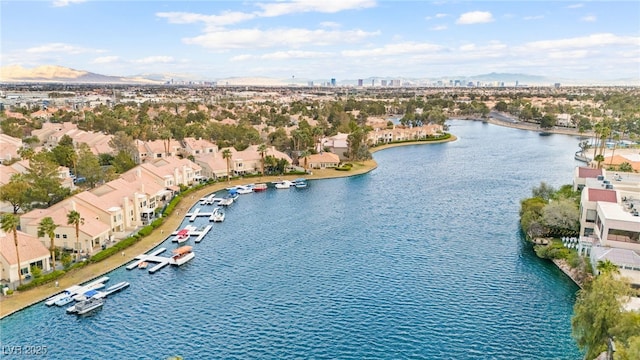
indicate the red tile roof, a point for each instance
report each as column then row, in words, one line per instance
column 585, row 172
column 602, row 195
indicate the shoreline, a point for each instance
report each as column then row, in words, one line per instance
column 22, row 300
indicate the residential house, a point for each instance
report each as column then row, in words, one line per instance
column 32, row 253
column 195, row 147
column 336, row 144
column 93, row 232
column 320, row 161
column 9, row 147
column 402, row 133
column 158, row 149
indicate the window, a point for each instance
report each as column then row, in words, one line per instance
column 591, row 216
column 64, row 236
column 57, row 236
column 24, row 271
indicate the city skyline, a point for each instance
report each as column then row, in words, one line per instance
column 348, row 39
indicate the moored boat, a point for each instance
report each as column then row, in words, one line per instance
column 284, row 184
column 86, row 306
column 259, row 187
column 181, row 255
column 218, row 215
column 300, row 183
column 143, row 265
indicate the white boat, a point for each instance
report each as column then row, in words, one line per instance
column 300, row 183
column 184, row 234
column 64, row 300
column 284, row 184
column 218, row 215
column 90, row 292
column 244, row 189
column 181, row 255
column 67, row 292
column 86, row 306
column 260, row 187
column 80, row 289
column 226, row 201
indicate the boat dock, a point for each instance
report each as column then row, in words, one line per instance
column 153, row 257
column 193, row 231
column 196, row 213
column 202, row 233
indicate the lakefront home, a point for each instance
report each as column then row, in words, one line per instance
column 32, row 253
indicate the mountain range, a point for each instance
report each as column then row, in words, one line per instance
column 60, row 74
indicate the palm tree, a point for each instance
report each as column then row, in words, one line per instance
column 9, row 223
column 48, row 227
column 74, row 218
column 616, row 139
column 304, row 155
column 607, row 267
column 599, row 159
column 262, row 149
column 226, row 154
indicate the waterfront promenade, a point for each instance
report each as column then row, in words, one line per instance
column 22, row 299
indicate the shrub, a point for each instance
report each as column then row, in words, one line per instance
column 36, row 272
column 157, row 222
column 9, row 292
column 42, row 280
column 145, row 230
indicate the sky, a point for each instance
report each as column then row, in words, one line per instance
column 323, row 39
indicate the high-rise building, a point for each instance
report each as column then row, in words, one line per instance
column 373, row 82
column 333, row 81
column 383, row 82
column 310, row 84
column 360, row 82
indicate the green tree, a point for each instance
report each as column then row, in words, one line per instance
column 625, row 167
column 48, row 227
column 547, row 122
column 599, row 159
column 598, row 309
column 562, row 217
column 123, row 162
column 10, row 223
column 226, row 154
column 43, row 178
column 74, row 218
column 543, row 191
column 607, row 267
column 89, row 166
column 262, row 149
column 15, row 193
column 121, row 141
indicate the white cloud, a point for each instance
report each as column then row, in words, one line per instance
column 105, row 60
column 212, row 21
column 155, row 60
column 569, row 55
column 61, row 48
column 475, row 17
column 252, row 38
column 595, row 40
column 322, row 6
column 62, row 3
column 589, row 18
column 439, row 16
column 243, row 57
column 575, row 6
column 330, row 24
column 394, row 49
column 536, row 17
column 294, row 54
column 439, row 28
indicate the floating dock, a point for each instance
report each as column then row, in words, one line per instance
column 193, row 231
column 153, row 257
column 202, row 233
column 196, row 213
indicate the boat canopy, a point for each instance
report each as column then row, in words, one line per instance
column 182, row 250
column 91, row 293
column 183, row 232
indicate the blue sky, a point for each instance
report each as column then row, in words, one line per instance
column 322, row 39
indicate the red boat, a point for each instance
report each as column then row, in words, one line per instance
column 260, row 187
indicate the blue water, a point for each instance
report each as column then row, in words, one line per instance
column 421, row 258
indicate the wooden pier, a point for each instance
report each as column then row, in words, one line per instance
column 196, row 213
column 153, row 257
